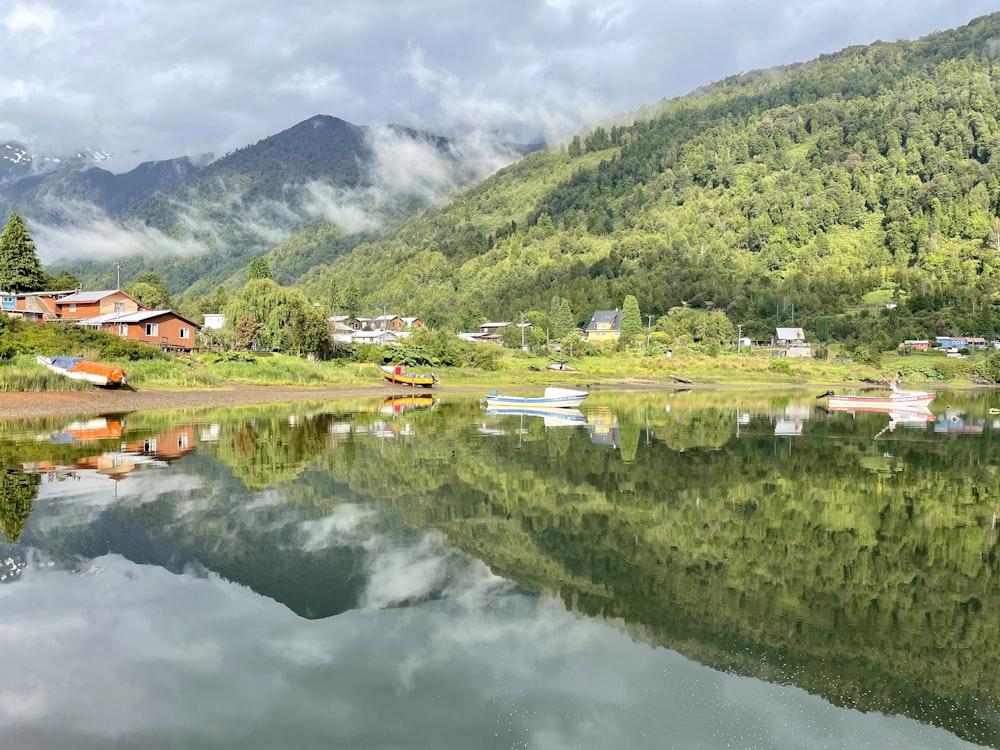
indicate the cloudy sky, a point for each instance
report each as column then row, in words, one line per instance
column 164, row 78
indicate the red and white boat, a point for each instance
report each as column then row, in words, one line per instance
column 897, row 398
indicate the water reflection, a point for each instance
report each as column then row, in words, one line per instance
column 756, row 540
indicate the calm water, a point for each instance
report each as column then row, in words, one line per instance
column 684, row 570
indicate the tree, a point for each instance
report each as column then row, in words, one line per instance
column 352, row 300
column 64, row 280
column 333, row 300
column 310, row 332
column 246, row 332
column 562, row 318
column 20, row 270
column 631, row 320
column 259, row 268
column 150, row 291
column 17, row 494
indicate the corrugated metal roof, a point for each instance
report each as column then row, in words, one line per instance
column 86, row 296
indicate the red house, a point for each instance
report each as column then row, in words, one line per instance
column 163, row 328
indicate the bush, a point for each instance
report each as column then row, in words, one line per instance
column 989, row 368
column 780, row 365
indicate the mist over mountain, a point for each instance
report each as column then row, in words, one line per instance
column 198, row 226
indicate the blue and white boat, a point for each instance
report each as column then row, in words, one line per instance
column 553, row 398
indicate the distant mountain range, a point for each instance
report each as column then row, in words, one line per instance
column 197, row 225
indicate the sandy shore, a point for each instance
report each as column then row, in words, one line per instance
column 101, row 401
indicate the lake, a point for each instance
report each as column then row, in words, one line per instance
column 704, row 569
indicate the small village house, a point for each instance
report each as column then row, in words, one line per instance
column 163, row 328
column 791, row 342
column 82, row 305
column 605, row 326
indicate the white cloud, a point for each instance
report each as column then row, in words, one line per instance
column 29, row 24
column 173, row 84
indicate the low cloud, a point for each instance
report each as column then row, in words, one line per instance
column 104, row 240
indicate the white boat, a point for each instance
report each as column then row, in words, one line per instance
column 78, row 368
column 553, row 398
column 897, row 398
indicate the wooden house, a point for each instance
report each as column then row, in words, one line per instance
column 605, row 326
column 83, row 305
column 163, row 328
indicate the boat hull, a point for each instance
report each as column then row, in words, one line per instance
column 76, row 368
column 554, row 398
column 396, row 374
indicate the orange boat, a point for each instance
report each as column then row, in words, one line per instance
column 78, row 368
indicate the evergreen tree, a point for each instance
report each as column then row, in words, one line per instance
column 20, row 270
column 64, row 280
column 562, row 318
column 259, row 268
column 352, row 300
column 631, row 320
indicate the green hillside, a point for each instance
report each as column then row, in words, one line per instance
column 808, row 195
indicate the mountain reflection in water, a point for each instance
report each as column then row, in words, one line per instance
column 805, row 577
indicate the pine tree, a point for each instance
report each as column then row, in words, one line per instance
column 562, row 318
column 631, row 320
column 20, row 270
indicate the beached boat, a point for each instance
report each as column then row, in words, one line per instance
column 560, row 367
column 396, row 374
column 553, row 398
column 897, row 398
column 78, row 368
column 552, row 416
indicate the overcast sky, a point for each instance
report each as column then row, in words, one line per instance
column 164, row 78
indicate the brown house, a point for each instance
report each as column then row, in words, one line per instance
column 81, row 305
column 163, row 328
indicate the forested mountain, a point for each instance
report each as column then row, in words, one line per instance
column 73, row 193
column 355, row 181
column 812, row 194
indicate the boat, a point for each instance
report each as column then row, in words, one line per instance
column 897, row 398
column 552, row 398
column 560, row 367
column 78, row 368
column 552, row 416
column 396, row 374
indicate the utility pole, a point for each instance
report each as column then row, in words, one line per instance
column 739, row 337
column 118, row 267
column 522, row 331
column 649, row 328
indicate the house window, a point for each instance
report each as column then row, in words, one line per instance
column 122, row 329
column 152, row 329
column 72, row 307
column 185, row 333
